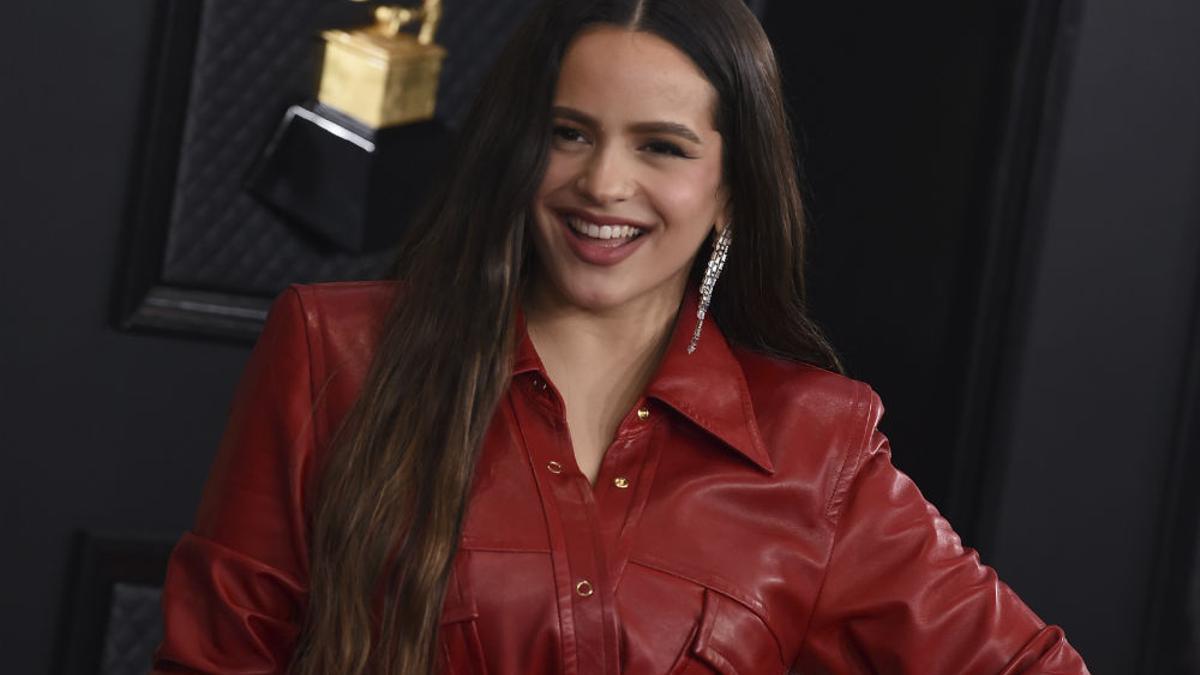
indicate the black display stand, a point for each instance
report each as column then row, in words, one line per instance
column 345, row 182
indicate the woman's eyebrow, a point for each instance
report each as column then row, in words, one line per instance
column 660, row 127
column 674, row 128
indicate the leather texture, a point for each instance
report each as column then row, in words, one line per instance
column 761, row 526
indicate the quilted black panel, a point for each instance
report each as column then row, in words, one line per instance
column 253, row 60
column 134, row 630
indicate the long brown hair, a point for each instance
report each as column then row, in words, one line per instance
column 390, row 503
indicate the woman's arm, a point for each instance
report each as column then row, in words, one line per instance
column 902, row 595
column 236, row 583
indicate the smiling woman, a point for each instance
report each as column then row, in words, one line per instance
column 634, row 146
column 519, row 458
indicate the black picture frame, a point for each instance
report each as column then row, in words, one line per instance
column 100, row 561
column 142, row 301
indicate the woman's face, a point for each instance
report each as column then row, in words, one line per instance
column 633, row 185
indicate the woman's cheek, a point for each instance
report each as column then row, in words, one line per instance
column 689, row 197
column 557, row 172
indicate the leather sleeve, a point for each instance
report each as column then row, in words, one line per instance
column 236, row 583
column 902, row 595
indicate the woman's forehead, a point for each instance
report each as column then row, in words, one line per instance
column 619, row 74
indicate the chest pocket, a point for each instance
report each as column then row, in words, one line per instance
column 730, row 639
column 461, row 648
column 462, row 651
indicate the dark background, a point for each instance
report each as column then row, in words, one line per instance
column 1084, row 397
column 900, row 119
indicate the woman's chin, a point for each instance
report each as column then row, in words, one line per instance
column 591, row 294
column 608, row 296
column 596, row 298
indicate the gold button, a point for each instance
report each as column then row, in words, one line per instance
column 584, row 588
column 554, row 467
column 621, row 482
column 643, row 413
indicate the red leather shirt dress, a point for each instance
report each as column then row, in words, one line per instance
column 746, row 519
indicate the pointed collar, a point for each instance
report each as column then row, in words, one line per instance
column 707, row 387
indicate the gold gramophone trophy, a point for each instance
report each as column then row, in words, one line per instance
column 352, row 164
column 380, row 74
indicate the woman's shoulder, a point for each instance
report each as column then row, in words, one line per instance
column 334, row 326
column 344, row 301
column 321, row 336
column 341, row 317
column 776, row 379
column 811, row 419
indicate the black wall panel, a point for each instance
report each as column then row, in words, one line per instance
column 1098, row 393
column 99, row 430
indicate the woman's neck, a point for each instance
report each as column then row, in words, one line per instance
column 599, row 361
column 629, row 338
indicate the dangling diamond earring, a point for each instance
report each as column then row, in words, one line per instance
column 716, row 263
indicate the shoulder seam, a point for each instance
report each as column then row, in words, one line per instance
column 318, row 426
column 866, row 402
column 300, row 291
column 864, row 409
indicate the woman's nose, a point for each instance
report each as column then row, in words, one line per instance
column 606, row 177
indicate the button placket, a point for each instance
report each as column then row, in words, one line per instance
column 618, row 489
column 620, row 464
column 578, row 551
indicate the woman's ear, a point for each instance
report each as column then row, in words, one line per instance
column 725, row 218
column 725, row 215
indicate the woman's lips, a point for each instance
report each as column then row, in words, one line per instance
column 603, row 252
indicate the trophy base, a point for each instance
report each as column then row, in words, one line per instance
column 351, row 185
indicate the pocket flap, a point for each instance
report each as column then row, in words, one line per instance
column 456, row 609
column 733, row 640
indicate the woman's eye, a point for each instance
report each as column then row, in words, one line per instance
column 665, row 148
column 567, row 134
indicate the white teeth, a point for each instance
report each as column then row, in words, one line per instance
column 602, row 231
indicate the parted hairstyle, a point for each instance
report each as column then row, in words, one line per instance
column 387, row 509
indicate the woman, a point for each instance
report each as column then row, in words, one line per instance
column 538, row 454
